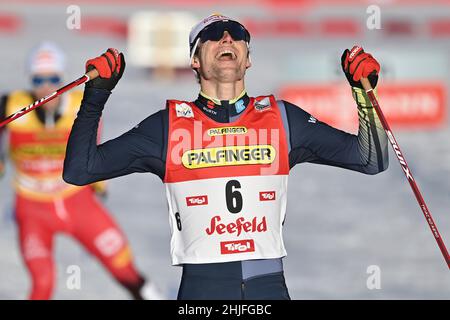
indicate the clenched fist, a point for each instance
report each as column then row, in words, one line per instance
column 357, row 64
column 110, row 66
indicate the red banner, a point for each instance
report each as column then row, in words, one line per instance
column 10, row 23
column 418, row 105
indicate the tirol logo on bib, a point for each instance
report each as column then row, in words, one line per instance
column 197, row 201
column 267, row 196
column 239, row 246
column 226, row 186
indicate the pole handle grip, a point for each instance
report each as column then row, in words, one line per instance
column 366, row 84
column 92, row 74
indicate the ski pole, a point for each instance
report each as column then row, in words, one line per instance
column 401, row 158
column 85, row 78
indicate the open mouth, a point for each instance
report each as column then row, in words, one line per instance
column 226, row 55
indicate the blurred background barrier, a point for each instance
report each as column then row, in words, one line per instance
column 408, row 105
column 159, row 39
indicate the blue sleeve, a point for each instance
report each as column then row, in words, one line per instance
column 316, row 142
column 142, row 149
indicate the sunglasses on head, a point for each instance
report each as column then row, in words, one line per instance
column 215, row 31
column 40, row 80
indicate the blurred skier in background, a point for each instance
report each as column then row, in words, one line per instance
column 44, row 204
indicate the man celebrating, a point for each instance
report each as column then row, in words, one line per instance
column 224, row 159
column 45, row 204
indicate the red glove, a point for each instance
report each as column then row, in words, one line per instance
column 357, row 64
column 110, row 66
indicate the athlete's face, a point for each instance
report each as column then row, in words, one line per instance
column 225, row 60
column 45, row 83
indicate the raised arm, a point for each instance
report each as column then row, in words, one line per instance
column 316, row 142
column 142, row 149
column 139, row 150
